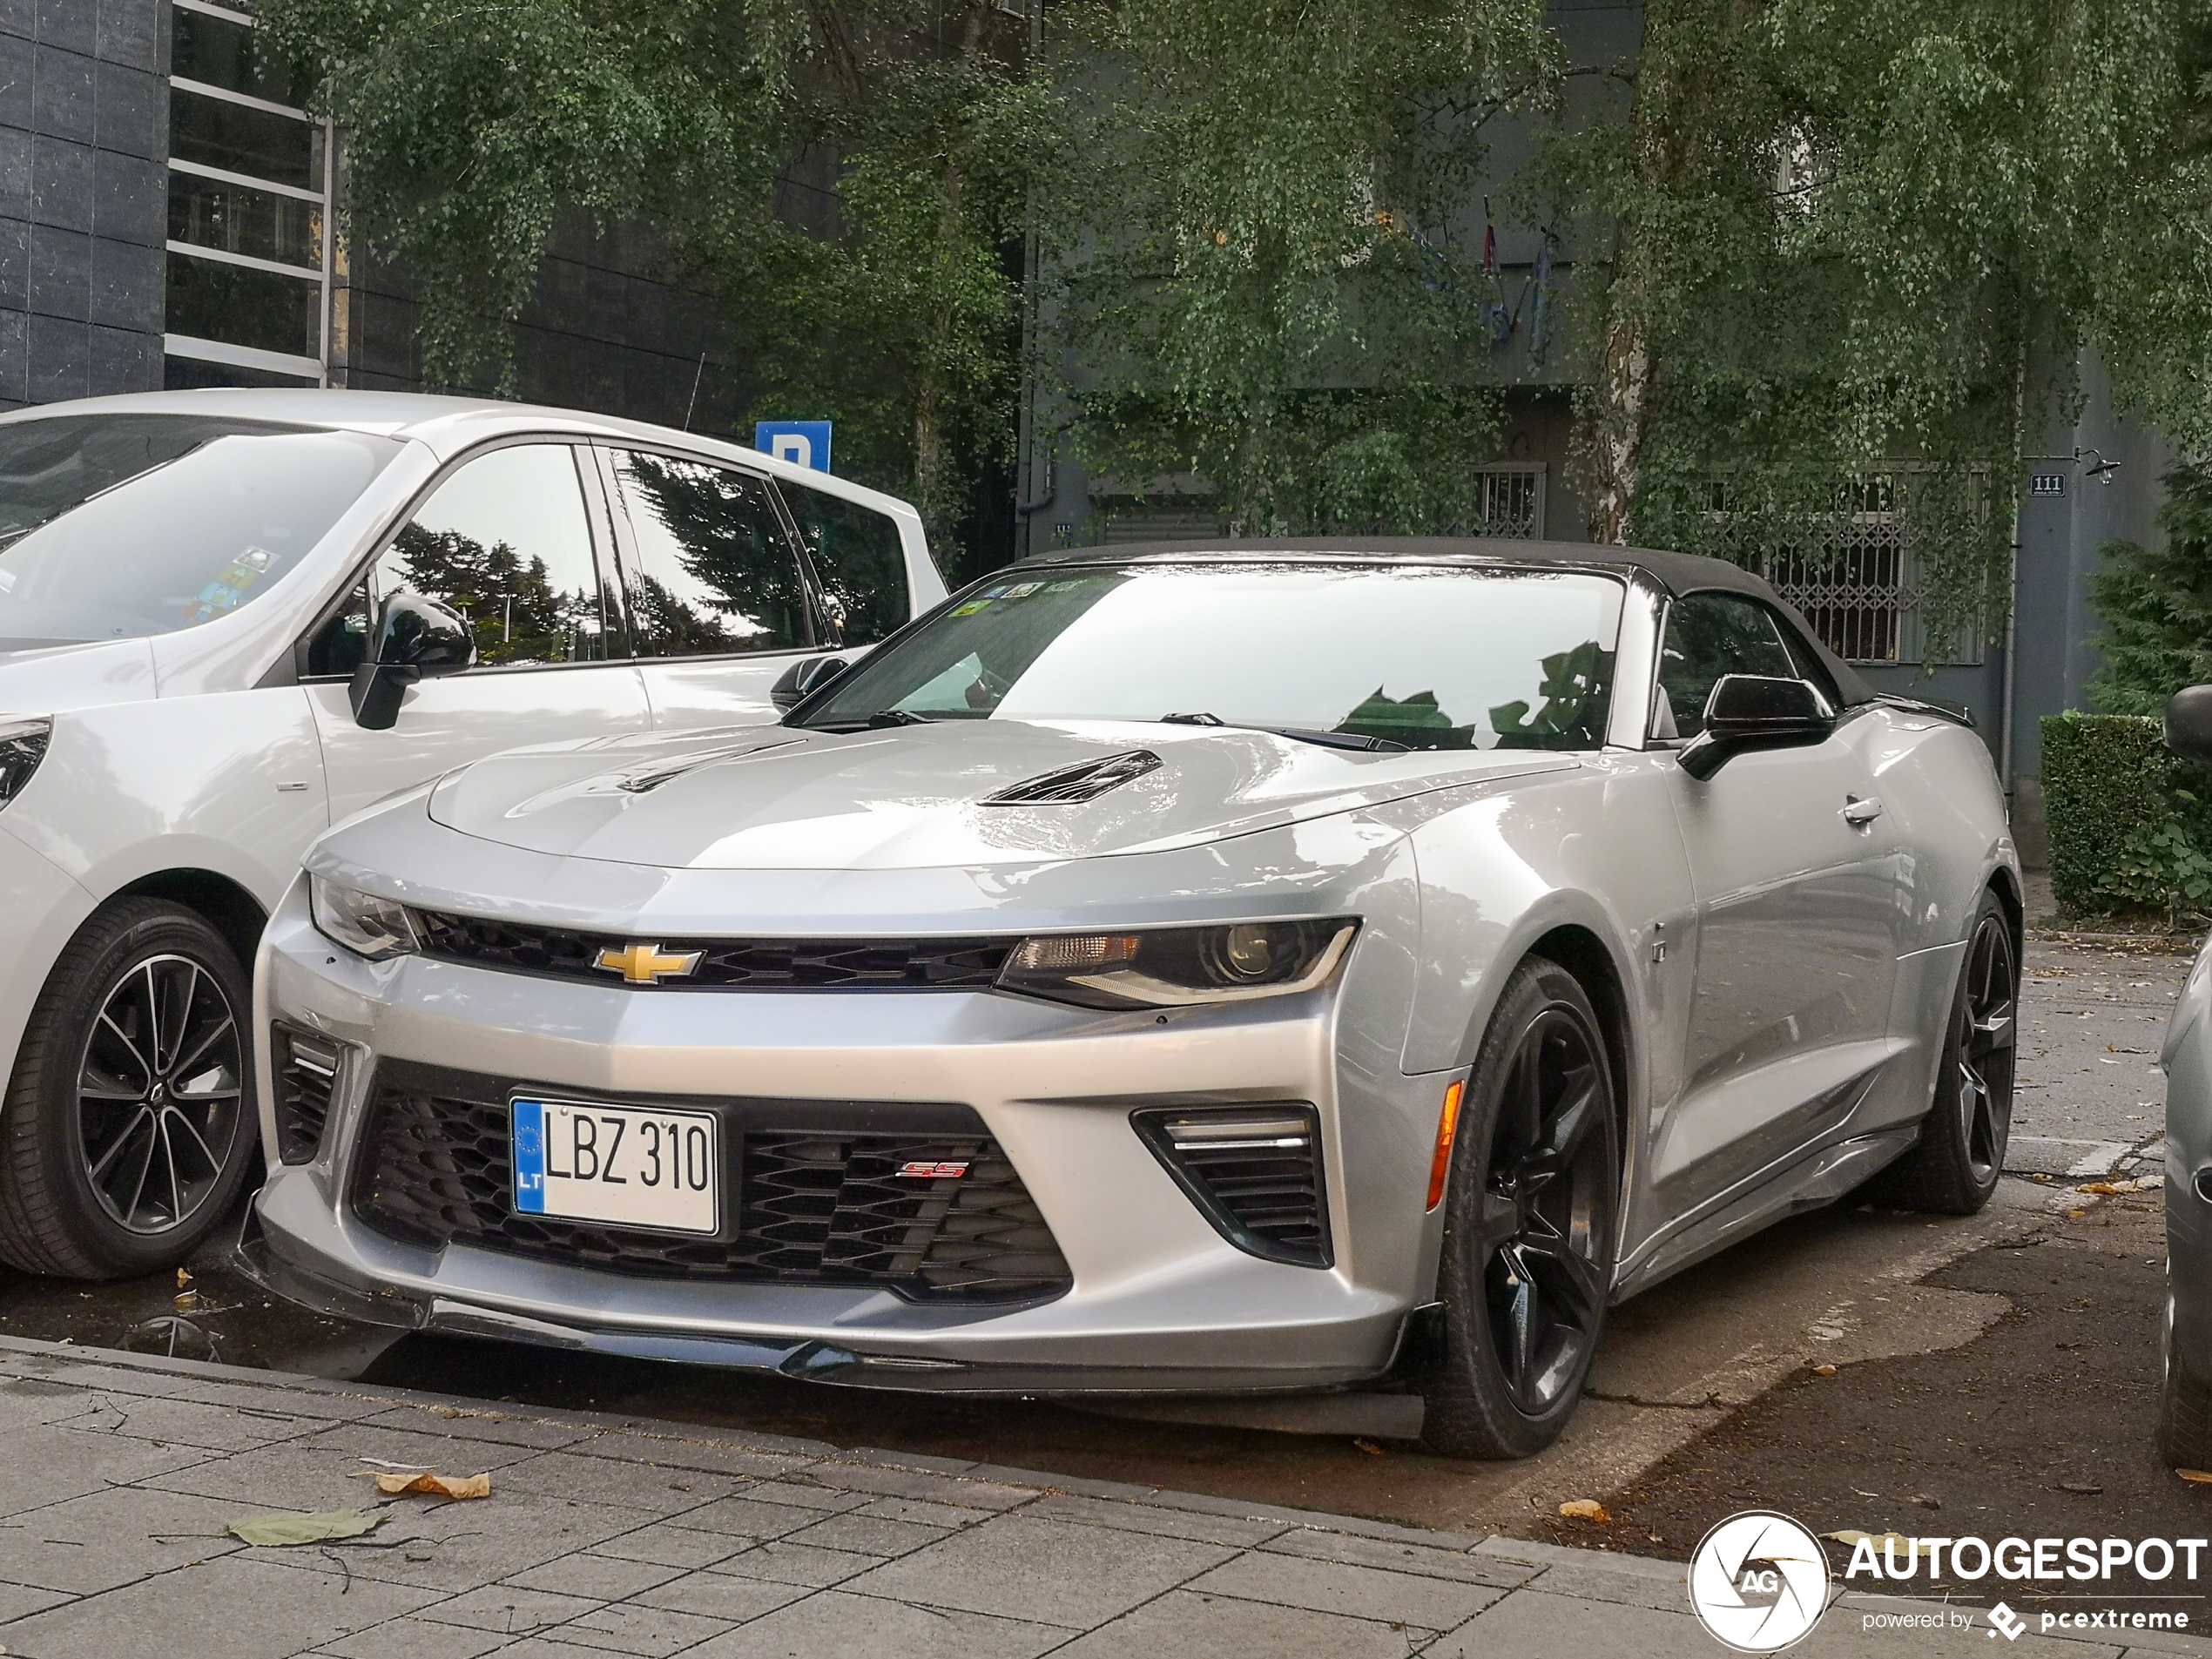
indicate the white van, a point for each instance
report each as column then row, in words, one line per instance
column 229, row 619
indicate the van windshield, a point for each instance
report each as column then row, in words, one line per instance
column 119, row 526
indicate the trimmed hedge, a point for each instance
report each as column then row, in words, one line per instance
column 2129, row 823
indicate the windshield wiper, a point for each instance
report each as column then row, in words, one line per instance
column 1301, row 733
column 896, row 716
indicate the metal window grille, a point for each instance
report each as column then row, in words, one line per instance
column 1512, row 501
column 1860, row 592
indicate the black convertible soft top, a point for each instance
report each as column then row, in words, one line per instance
column 1679, row 573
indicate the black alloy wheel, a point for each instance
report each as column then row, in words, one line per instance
column 1530, row 1223
column 160, row 1094
column 130, row 1126
column 1953, row 1170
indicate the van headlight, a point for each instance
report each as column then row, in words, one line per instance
column 23, row 745
column 1179, row 967
column 363, row 923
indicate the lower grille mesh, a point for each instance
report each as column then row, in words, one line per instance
column 306, row 1068
column 822, row 1205
column 1255, row 1172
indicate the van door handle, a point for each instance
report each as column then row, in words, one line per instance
column 1859, row 812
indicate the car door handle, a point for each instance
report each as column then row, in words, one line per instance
column 1859, row 812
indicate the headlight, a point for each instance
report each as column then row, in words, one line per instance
column 363, row 923
column 1174, row 968
column 23, row 745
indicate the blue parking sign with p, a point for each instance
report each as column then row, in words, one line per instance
column 804, row 443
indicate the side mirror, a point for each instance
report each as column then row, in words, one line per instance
column 802, row 679
column 417, row 638
column 1748, row 712
column 2188, row 723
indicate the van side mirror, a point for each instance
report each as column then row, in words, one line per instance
column 802, row 679
column 2188, row 723
column 417, row 638
column 1749, row 711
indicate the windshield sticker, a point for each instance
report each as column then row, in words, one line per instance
column 227, row 589
column 973, row 606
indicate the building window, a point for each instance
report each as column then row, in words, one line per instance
column 1861, row 594
column 250, row 175
column 1511, row 500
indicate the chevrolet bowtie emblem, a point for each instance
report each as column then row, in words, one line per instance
column 646, row 964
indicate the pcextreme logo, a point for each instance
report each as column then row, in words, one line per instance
column 1759, row 1582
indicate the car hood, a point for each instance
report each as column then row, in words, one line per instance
column 774, row 798
column 52, row 679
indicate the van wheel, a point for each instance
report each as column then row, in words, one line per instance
column 1530, row 1224
column 1953, row 1168
column 129, row 1126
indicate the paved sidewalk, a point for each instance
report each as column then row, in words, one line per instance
column 612, row 1535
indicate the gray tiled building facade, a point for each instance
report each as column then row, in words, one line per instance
column 83, row 121
column 165, row 221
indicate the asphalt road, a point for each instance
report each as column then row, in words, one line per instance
column 1710, row 1359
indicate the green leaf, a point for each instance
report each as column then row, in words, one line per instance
column 312, row 1527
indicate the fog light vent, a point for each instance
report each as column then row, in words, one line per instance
column 2203, row 1185
column 306, row 1079
column 1254, row 1170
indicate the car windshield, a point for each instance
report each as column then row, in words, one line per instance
column 1422, row 657
column 122, row 525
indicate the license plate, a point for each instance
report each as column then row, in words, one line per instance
column 617, row 1164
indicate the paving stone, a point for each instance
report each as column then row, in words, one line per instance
column 589, row 1572
column 909, row 1483
column 299, row 1401
column 1185, row 1625
column 652, row 1631
column 505, row 1610
column 29, row 1402
column 1168, row 1523
column 109, row 1539
column 171, row 1421
column 46, row 1464
column 868, row 1535
column 17, row 1600
column 833, row 1625
column 720, row 1595
column 414, row 1637
column 784, row 1562
column 1020, row 1566
column 452, row 1547
column 324, row 1470
column 660, row 1490
column 1630, row 1589
column 922, row 1513
column 708, row 1456
column 254, row 1611
column 663, row 1544
column 1456, row 1565
column 1360, row 1592
column 513, row 1430
column 748, row 1516
column 805, row 1494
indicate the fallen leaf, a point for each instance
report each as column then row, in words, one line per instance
column 2197, row 1475
column 441, row 1485
column 1369, row 1447
column 2077, row 1215
column 1585, row 1509
column 187, row 1301
column 183, row 1278
column 1880, row 1540
column 1823, row 1371
column 1928, row 1502
column 314, row 1526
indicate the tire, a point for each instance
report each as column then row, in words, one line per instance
column 1530, row 1229
column 129, row 1126
column 2184, row 1412
column 1953, row 1168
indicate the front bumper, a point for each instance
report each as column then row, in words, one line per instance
column 1159, row 1301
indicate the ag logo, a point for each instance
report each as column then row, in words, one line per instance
column 1759, row 1581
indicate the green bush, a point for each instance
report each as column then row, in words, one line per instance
column 2156, row 604
column 2130, row 825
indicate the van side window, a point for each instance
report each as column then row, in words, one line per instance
column 858, row 558
column 711, row 570
column 504, row 540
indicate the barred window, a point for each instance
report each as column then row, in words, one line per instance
column 1512, row 501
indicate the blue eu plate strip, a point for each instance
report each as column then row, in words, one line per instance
column 529, row 1156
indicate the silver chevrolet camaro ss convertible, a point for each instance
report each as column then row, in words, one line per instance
column 1265, row 968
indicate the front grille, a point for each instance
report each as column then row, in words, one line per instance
column 1255, row 1172
column 743, row 964
column 306, row 1068
column 818, row 1198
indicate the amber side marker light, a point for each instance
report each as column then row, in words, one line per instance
column 1447, row 1125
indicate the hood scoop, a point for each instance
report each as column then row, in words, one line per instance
column 1072, row 786
column 643, row 783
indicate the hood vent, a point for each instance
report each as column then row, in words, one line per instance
column 1072, row 785
column 643, row 782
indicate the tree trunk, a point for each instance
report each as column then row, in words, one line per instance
column 1617, row 427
